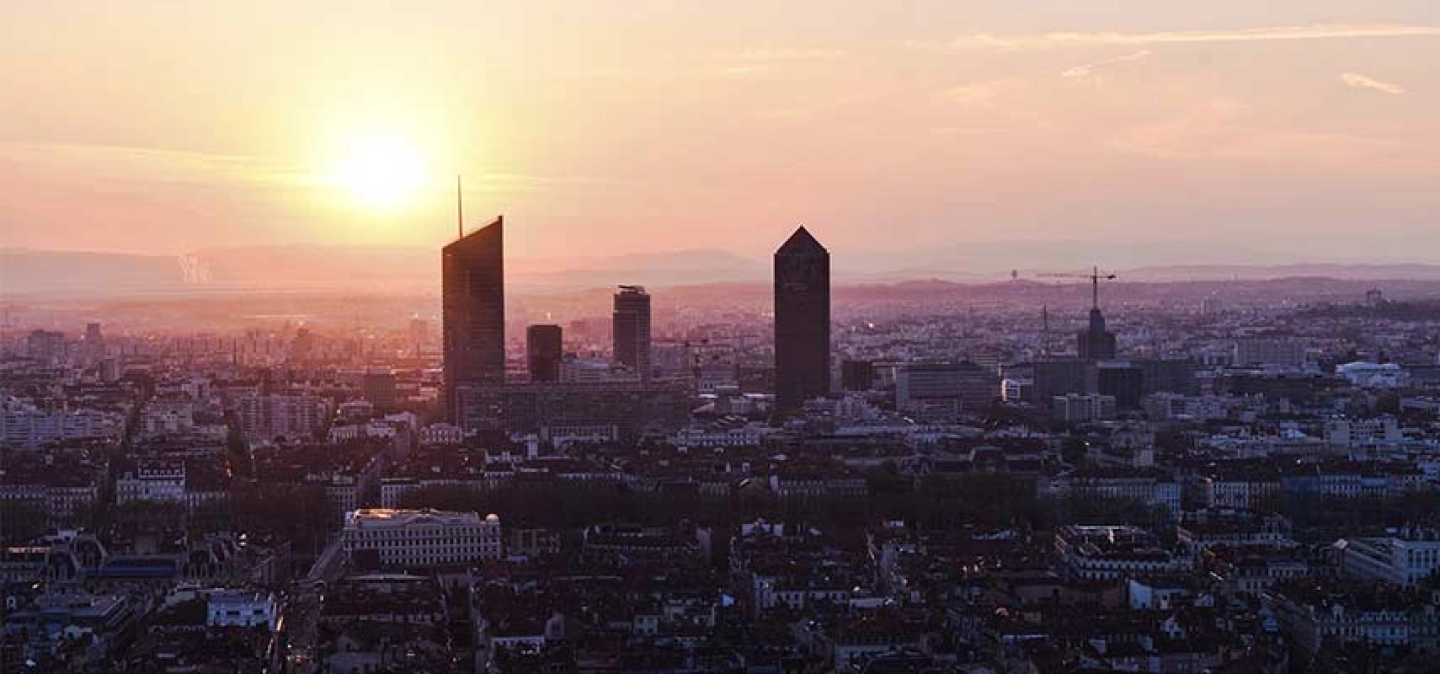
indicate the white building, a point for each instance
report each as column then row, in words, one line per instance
column 264, row 417
column 441, row 434
column 1373, row 375
column 26, row 426
column 1077, row 408
column 1152, row 487
column 236, row 608
column 1370, row 434
column 416, row 538
column 373, row 429
column 1115, row 552
column 1402, row 561
column 151, row 483
column 749, row 435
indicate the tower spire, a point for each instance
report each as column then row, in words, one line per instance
column 459, row 209
column 1095, row 289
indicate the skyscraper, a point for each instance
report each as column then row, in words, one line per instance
column 802, row 321
column 1095, row 342
column 544, row 350
column 473, row 309
column 631, row 329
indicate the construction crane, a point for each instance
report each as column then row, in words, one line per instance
column 1095, row 276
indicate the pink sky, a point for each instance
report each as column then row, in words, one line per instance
column 1307, row 128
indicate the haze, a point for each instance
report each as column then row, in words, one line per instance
column 1307, row 131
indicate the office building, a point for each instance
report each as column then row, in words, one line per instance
column 1272, row 351
column 630, row 327
column 857, row 375
column 242, row 608
column 46, row 346
column 945, row 388
column 1078, row 409
column 473, row 309
column 266, row 417
column 802, row 321
column 378, row 386
column 1122, row 380
column 1406, row 559
column 1059, row 377
column 94, row 341
column 544, row 352
column 617, row 409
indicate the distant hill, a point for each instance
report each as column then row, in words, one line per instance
column 36, row 272
column 398, row 269
column 316, row 267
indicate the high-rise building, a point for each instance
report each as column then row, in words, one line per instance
column 857, row 375
column 45, row 345
column 473, row 309
column 419, row 332
column 94, row 341
column 378, row 386
column 802, row 321
column 630, row 327
column 544, row 351
column 1095, row 342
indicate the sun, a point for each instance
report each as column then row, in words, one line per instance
column 379, row 171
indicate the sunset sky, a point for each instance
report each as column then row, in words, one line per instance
column 1306, row 129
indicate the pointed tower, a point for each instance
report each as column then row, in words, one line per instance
column 473, row 310
column 802, row 321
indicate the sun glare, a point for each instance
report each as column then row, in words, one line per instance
column 379, row 171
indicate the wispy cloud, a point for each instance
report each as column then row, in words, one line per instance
column 1362, row 82
column 1087, row 69
column 978, row 94
column 777, row 54
column 148, row 164
column 1064, row 40
column 1223, row 130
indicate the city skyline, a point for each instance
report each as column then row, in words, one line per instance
column 1119, row 354
column 1285, row 130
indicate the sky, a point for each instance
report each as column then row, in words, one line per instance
column 1293, row 130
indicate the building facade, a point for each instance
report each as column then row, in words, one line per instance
column 419, row 538
column 630, row 329
column 544, row 352
column 802, row 321
column 473, row 309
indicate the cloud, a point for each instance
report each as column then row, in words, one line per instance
column 1086, row 70
column 1068, row 40
column 1223, row 130
column 1362, row 82
column 978, row 94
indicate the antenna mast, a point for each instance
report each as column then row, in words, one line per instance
column 459, row 210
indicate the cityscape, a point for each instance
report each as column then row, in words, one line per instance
column 779, row 430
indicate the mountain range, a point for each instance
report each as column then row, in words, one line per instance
column 396, row 269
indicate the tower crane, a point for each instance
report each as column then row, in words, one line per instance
column 1095, row 277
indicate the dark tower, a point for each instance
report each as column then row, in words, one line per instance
column 631, row 329
column 802, row 321
column 473, row 310
column 1095, row 342
column 544, row 350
